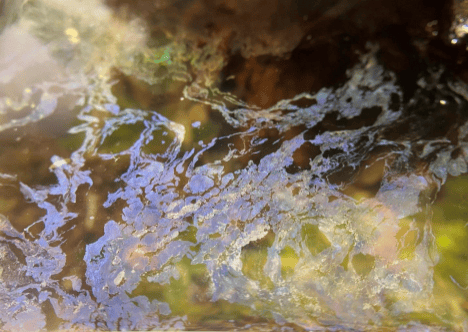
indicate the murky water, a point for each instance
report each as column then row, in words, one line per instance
column 132, row 198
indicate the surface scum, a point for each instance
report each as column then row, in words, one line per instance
column 125, row 218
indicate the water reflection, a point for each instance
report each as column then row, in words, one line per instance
column 195, row 210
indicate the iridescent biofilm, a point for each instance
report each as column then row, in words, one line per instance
column 144, row 219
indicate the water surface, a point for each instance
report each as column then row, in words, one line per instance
column 133, row 198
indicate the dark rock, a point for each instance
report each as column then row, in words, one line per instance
column 265, row 51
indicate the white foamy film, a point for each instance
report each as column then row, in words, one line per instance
column 227, row 211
